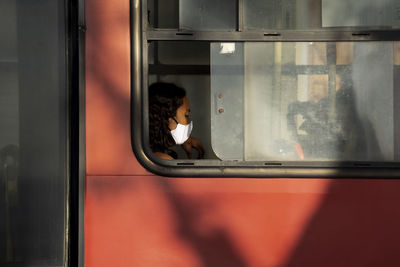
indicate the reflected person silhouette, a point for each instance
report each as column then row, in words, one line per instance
column 331, row 132
column 169, row 121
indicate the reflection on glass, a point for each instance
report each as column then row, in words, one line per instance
column 227, row 73
column 281, row 14
column 353, row 13
column 163, row 13
column 273, row 14
column 32, row 133
column 207, row 15
column 307, row 101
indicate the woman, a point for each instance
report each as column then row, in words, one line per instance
column 170, row 124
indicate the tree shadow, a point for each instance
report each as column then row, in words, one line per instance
column 214, row 249
column 357, row 224
column 104, row 73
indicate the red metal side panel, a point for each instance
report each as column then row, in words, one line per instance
column 153, row 221
column 108, row 141
column 133, row 218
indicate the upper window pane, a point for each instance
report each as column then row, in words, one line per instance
column 314, row 14
column 353, row 13
column 227, row 15
column 207, row 15
column 281, row 14
column 163, row 13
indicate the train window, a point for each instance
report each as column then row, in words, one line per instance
column 303, row 101
column 276, row 89
column 317, row 14
column 360, row 13
column 33, row 129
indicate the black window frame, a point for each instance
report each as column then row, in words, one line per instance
column 141, row 34
column 75, row 29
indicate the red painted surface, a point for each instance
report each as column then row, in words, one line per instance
column 133, row 218
column 108, row 139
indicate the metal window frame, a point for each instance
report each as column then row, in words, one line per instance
column 75, row 56
column 141, row 34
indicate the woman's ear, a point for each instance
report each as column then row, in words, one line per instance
column 172, row 124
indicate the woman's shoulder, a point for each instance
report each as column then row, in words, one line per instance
column 163, row 155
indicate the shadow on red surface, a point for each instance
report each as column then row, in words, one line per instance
column 214, row 249
column 357, row 224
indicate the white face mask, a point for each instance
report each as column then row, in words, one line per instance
column 182, row 133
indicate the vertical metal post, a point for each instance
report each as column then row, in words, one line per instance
column 82, row 131
column 240, row 22
column 136, row 63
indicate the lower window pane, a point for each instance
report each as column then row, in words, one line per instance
column 304, row 101
column 287, row 101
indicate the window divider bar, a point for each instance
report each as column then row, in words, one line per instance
column 260, row 36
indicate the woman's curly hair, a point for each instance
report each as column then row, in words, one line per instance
column 164, row 100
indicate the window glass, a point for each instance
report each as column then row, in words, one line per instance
column 360, row 13
column 208, row 15
column 287, row 101
column 227, row 98
column 187, row 65
column 281, row 14
column 32, row 133
column 304, row 101
column 314, row 14
column 163, row 13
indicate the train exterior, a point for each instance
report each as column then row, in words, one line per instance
column 118, row 206
column 136, row 218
